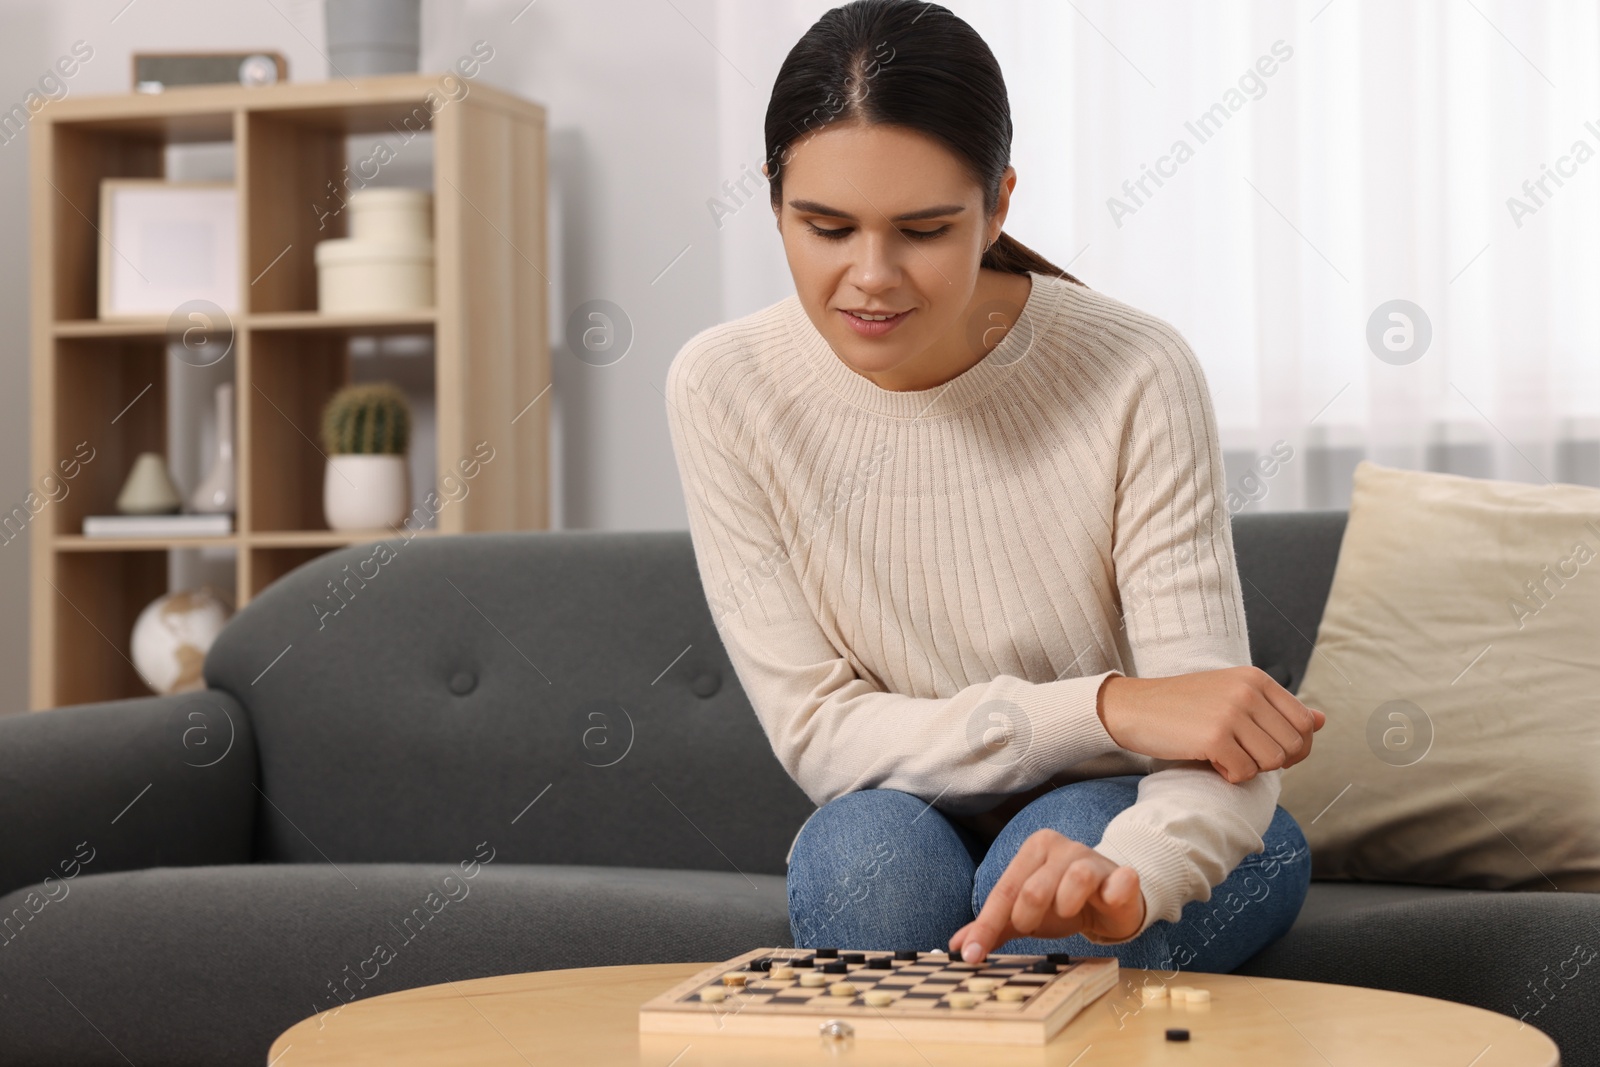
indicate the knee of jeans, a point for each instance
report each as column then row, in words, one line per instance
column 853, row 818
column 1106, row 796
column 1284, row 851
column 1292, row 842
column 1079, row 810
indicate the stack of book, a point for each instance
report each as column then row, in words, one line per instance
column 199, row 525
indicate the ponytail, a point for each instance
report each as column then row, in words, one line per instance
column 1010, row 256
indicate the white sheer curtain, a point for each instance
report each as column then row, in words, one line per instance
column 1377, row 162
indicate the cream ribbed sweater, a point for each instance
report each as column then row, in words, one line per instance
column 924, row 590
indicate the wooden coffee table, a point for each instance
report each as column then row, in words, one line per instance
column 590, row 1016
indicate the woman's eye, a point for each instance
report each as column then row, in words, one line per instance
column 842, row 232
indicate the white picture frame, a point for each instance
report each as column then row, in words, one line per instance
column 164, row 243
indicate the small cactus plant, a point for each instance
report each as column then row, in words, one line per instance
column 369, row 418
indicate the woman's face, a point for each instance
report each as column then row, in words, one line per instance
column 884, row 220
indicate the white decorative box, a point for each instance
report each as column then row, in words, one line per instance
column 403, row 215
column 358, row 275
column 386, row 264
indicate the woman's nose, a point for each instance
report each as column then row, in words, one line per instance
column 877, row 262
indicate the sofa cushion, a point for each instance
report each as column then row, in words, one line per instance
column 1529, row 955
column 1456, row 662
column 1343, row 901
column 208, row 965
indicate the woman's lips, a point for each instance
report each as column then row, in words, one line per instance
column 869, row 328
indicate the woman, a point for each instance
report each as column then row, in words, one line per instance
column 961, row 522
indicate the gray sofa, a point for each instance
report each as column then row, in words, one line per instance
column 506, row 752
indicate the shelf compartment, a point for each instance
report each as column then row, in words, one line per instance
column 118, row 408
column 97, row 596
column 292, row 376
column 288, row 168
column 79, row 157
column 298, row 175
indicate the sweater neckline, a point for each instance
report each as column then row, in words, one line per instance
column 965, row 389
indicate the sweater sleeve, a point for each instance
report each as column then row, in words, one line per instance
column 1183, row 612
column 833, row 731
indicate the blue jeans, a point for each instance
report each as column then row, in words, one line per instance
column 880, row 869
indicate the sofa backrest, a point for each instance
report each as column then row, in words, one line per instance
column 1286, row 561
column 562, row 696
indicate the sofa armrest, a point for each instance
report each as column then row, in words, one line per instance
column 125, row 784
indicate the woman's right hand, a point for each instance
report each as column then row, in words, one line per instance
column 1238, row 718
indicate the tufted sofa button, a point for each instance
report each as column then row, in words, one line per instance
column 705, row 683
column 463, row 682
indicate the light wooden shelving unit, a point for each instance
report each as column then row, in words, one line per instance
column 106, row 382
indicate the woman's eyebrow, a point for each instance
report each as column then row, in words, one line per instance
column 811, row 207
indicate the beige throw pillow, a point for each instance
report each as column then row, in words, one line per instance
column 1458, row 662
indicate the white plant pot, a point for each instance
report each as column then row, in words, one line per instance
column 365, row 492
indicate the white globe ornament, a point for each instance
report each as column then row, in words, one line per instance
column 171, row 636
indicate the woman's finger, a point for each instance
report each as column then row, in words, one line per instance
column 993, row 923
column 1301, row 719
column 1038, row 895
column 1265, row 748
column 992, row 927
column 1285, row 731
column 1117, row 908
column 1232, row 761
column 1079, row 881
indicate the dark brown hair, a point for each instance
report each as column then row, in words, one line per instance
column 910, row 64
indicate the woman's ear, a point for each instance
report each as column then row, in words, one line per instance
column 1008, row 182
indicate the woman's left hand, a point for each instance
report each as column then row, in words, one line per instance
column 1054, row 887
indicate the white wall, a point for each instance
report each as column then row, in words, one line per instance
column 629, row 88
